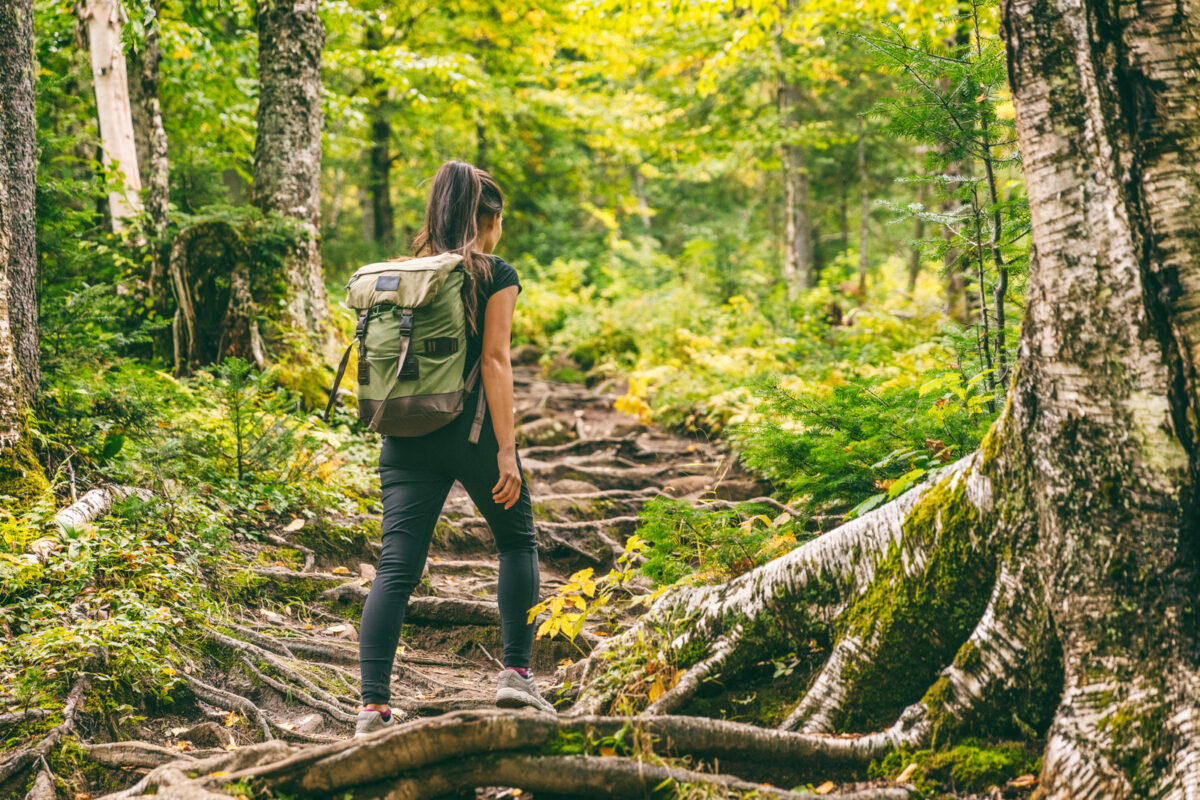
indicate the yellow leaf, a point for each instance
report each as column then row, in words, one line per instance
column 544, row 628
column 582, row 575
column 825, row 788
column 232, row 719
column 342, row 570
column 231, row 747
column 168, row 671
column 657, row 689
column 907, row 774
column 608, row 750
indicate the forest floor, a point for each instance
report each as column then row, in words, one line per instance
column 288, row 663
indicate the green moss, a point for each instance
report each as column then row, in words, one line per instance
column 272, row 556
column 919, row 621
column 21, row 475
column 973, row 766
column 568, row 375
column 332, row 540
column 562, row 743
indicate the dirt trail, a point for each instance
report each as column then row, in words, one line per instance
column 293, row 654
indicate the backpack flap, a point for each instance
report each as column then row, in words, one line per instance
column 411, row 283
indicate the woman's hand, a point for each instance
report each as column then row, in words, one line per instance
column 507, row 490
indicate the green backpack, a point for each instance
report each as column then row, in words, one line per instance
column 412, row 344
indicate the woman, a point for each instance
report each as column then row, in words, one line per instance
column 416, row 473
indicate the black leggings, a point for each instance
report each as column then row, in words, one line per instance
column 416, row 474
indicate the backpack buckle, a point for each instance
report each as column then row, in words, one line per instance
column 406, row 322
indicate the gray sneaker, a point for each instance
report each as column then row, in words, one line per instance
column 370, row 721
column 517, row 691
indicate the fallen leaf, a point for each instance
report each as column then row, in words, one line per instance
column 231, row 746
column 1023, row 781
column 183, row 745
column 566, row 662
column 608, row 750
column 825, row 788
column 294, row 525
column 340, row 571
column 335, row 629
column 907, row 774
column 232, row 719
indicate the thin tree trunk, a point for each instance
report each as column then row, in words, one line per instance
column 104, row 19
column 157, row 170
column 997, row 231
column 865, row 211
column 797, row 234
column 379, row 154
column 287, row 151
column 797, row 267
column 20, row 474
column 914, row 258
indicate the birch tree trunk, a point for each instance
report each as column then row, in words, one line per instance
column 864, row 222
column 287, row 149
column 797, row 266
column 104, row 19
column 20, row 474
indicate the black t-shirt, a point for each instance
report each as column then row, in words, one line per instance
column 503, row 276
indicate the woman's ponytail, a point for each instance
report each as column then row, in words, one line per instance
column 460, row 194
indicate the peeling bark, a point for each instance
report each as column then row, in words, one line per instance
column 104, row 19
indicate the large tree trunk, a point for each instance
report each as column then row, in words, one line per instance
column 1107, row 395
column 287, row 150
column 20, row 474
column 104, row 19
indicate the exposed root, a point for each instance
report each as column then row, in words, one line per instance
column 170, row 780
column 140, row 754
column 43, row 785
column 23, row 758
column 333, row 709
column 16, row 718
column 828, row 692
column 310, row 556
column 843, row 561
column 230, row 702
column 459, row 751
column 690, row 681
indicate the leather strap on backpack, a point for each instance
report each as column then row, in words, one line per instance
column 473, row 377
column 360, row 333
column 406, row 327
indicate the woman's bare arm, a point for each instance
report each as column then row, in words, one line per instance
column 496, row 371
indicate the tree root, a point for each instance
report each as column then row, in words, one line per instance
column 459, row 751
column 140, row 754
column 16, row 718
column 333, row 709
column 828, row 692
column 23, row 758
column 690, row 681
column 43, row 785
column 843, row 560
column 310, row 556
column 230, row 702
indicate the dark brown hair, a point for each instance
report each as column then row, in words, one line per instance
column 460, row 196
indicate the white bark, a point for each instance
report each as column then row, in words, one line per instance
column 104, row 19
column 96, row 504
